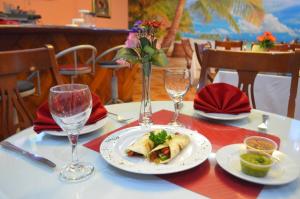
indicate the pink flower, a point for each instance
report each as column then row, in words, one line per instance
column 132, row 40
column 122, row 62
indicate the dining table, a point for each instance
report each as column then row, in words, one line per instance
column 22, row 178
column 271, row 91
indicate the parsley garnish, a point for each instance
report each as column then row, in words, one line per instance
column 159, row 137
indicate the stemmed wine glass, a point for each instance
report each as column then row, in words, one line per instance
column 177, row 83
column 70, row 106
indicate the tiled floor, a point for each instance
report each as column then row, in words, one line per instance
column 157, row 83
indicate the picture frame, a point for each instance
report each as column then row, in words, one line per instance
column 101, row 8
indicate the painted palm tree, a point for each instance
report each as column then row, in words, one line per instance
column 162, row 10
column 250, row 10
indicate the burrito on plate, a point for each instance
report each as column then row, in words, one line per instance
column 167, row 151
column 142, row 146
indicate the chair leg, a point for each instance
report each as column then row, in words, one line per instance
column 72, row 79
column 114, row 89
column 114, row 86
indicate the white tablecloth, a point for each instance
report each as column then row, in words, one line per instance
column 271, row 92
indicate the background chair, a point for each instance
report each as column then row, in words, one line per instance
column 78, row 65
column 14, row 113
column 26, row 87
column 188, row 51
column 278, row 47
column 248, row 65
column 294, row 46
column 114, row 66
column 229, row 45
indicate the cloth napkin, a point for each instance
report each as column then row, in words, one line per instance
column 44, row 120
column 221, row 98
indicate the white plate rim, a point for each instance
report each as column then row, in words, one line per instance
column 86, row 129
column 221, row 155
column 110, row 142
column 222, row 116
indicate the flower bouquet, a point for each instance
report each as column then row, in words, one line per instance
column 141, row 47
column 266, row 41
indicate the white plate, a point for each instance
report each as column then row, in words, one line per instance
column 86, row 129
column 221, row 116
column 113, row 149
column 283, row 172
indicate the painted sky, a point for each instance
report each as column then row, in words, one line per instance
column 282, row 18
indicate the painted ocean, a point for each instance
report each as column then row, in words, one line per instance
column 282, row 18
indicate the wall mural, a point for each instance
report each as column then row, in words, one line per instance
column 282, row 18
column 211, row 19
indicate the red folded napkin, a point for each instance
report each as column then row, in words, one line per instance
column 44, row 120
column 221, row 98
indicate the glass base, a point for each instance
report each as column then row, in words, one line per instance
column 146, row 120
column 176, row 124
column 146, row 123
column 76, row 172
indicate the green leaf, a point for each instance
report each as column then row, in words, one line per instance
column 149, row 50
column 154, row 43
column 144, row 42
column 128, row 54
column 158, row 137
column 160, row 58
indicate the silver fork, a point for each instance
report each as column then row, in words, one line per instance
column 264, row 125
column 119, row 118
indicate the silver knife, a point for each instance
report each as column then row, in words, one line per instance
column 10, row 146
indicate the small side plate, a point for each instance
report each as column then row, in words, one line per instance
column 283, row 172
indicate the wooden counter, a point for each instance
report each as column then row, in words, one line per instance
column 62, row 37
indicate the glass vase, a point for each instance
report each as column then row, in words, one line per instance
column 145, row 118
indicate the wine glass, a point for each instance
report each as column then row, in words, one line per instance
column 177, row 83
column 70, row 106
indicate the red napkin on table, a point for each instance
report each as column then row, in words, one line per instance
column 44, row 120
column 221, row 98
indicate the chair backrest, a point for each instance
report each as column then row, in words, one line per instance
column 187, row 48
column 229, row 45
column 249, row 64
column 280, row 47
column 108, row 51
column 277, row 47
column 294, row 46
column 75, row 51
column 14, row 114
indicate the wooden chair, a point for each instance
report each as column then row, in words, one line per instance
column 14, row 114
column 277, row 47
column 294, row 46
column 249, row 64
column 280, row 47
column 188, row 51
column 229, row 45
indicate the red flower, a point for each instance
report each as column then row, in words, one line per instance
column 153, row 23
column 260, row 38
column 266, row 40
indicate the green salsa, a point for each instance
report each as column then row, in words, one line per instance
column 258, row 165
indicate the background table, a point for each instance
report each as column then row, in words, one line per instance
column 271, row 92
column 21, row 178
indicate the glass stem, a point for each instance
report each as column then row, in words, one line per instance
column 145, row 118
column 73, row 138
column 177, row 109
